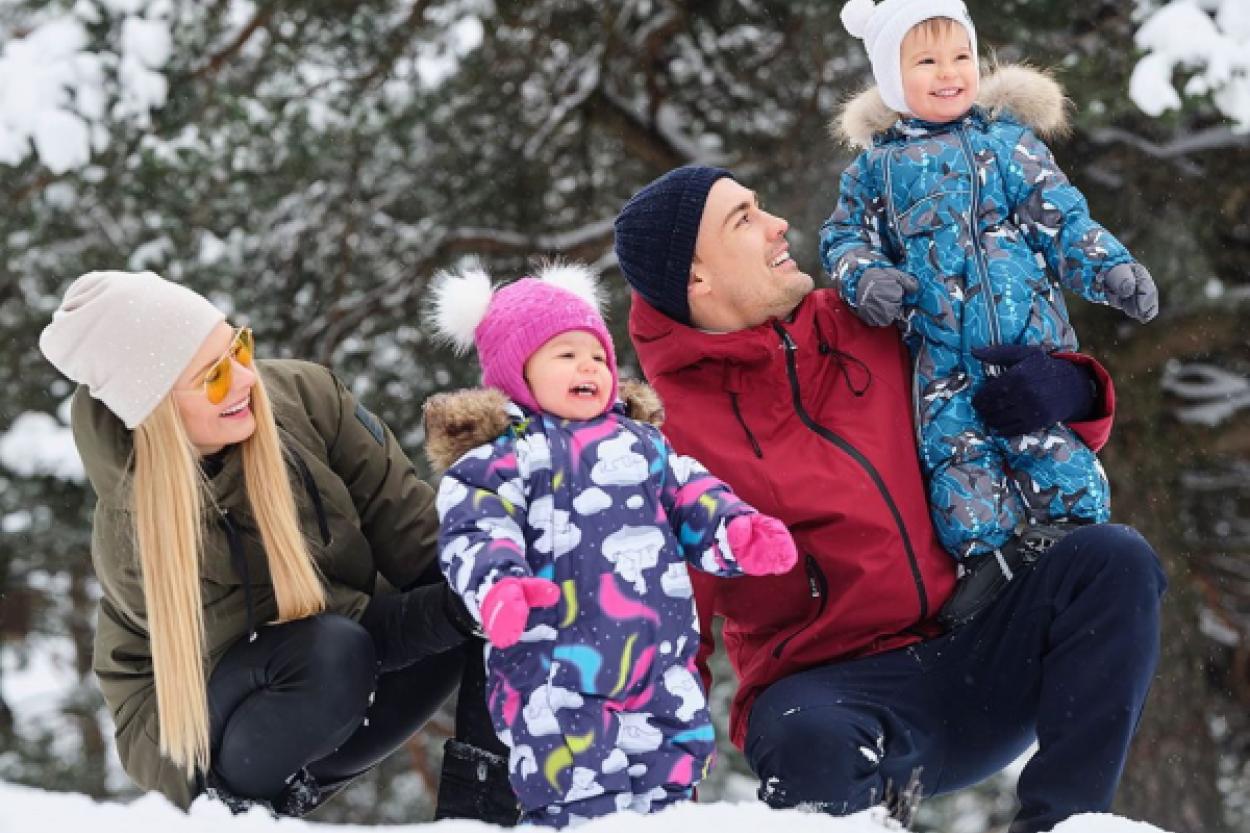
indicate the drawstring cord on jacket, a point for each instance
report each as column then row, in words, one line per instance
column 843, row 360
column 846, row 359
column 239, row 561
column 755, row 446
column 731, row 383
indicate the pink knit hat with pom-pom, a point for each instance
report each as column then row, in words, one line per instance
column 509, row 324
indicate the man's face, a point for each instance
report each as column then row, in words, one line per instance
column 742, row 274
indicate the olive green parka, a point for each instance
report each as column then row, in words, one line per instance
column 363, row 510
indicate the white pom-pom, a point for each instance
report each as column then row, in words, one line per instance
column 573, row 277
column 458, row 303
column 855, row 16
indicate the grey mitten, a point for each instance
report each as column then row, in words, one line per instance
column 879, row 300
column 1130, row 288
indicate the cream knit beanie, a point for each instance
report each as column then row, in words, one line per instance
column 882, row 27
column 127, row 336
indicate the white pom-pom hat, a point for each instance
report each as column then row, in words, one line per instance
column 882, row 27
column 507, row 325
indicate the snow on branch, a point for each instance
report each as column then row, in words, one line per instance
column 1218, row 393
column 57, row 96
column 394, row 290
column 655, row 27
column 501, row 241
column 584, row 77
column 1214, row 45
column 668, row 129
column 1215, row 139
column 39, row 444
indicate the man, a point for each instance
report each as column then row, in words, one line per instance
column 848, row 685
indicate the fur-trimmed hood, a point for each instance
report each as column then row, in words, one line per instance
column 460, row 421
column 1030, row 95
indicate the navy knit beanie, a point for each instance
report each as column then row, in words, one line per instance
column 655, row 236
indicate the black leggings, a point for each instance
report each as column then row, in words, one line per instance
column 307, row 693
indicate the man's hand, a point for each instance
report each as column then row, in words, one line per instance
column 879, row 297
column 761, row 544
column 1130, row 288
column 1034, row 391
column 508, row 605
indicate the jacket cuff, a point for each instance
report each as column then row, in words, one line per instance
column 1095, row 429
column 458, row 615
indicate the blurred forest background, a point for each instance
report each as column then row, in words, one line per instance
column 309, row 164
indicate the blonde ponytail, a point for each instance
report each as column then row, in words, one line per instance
column 169, row 503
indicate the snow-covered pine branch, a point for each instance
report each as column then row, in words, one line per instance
column 1212, row 41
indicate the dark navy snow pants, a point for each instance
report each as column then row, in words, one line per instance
column 1065, row 657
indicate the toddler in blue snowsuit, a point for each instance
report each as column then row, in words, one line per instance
column 567, row 527
column 955, row 222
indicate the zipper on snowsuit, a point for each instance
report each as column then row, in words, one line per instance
column 983, row 272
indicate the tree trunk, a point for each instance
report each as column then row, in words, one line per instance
column 1171, row 778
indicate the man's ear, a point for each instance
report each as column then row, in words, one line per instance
column 698, row 285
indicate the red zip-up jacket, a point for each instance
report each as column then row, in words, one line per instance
column 810, row 420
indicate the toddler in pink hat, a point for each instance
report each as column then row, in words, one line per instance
column 568, row 522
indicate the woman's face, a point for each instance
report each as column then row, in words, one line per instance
column 212, row 426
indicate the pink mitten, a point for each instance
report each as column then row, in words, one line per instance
column 508, row 604
column 762, row 545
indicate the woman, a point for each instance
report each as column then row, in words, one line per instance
column 245, row 511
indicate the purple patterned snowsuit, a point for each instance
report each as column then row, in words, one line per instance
column 599, row 701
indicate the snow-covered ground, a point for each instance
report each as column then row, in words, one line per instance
column 26, row 810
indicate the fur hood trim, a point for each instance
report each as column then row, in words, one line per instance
column 1032, row 96
column 457, row 422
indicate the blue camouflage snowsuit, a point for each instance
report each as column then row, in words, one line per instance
column 979, row 213
column 599, row 702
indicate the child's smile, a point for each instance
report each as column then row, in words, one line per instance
column 569, row 376
column 940, row 75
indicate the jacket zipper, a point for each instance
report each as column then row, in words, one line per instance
column 314, row 494
column 987, row 291
column 855, row 454
column 916, row 395
column 818, row 585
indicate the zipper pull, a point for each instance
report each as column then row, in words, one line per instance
column 786, row 341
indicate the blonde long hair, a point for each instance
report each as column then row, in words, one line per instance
column 170, row 501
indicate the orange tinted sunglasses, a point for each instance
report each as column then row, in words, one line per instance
column 218, row 377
